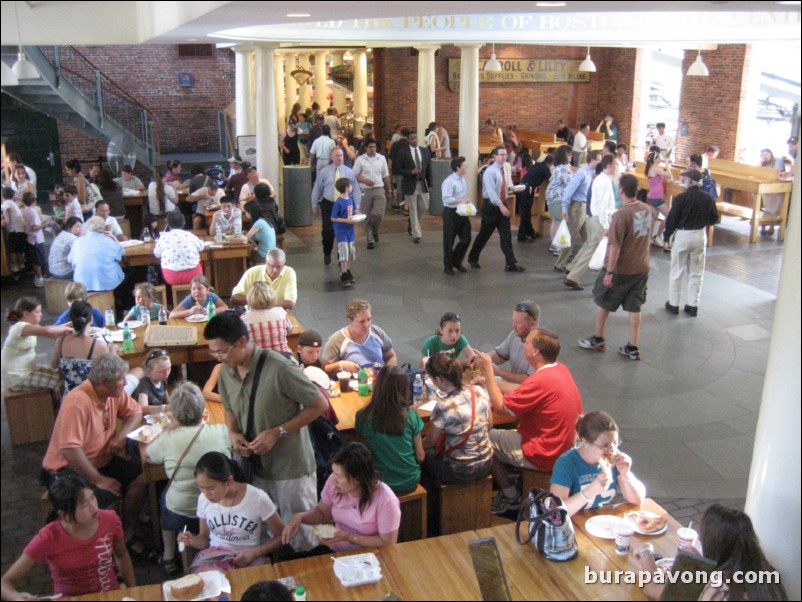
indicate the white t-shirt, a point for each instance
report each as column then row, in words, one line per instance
column 205, row 198
column 19, row 353
column 170, row 198
column 580, row 142
column 13, row 215
column 238, row 527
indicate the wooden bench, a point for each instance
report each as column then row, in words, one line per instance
column 55, row 295
column 30, row 415
column 413, row 515
column 460, row 507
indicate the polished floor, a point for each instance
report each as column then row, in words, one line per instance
column 687, row 411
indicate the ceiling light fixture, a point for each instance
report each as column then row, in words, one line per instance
column 698, row 68
column 298, row 15
column 587, row 65
column 550, row 4
column 493, row 64
column 23, row 69
column 302, row 76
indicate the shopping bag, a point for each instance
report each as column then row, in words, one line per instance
column 562, row 240
column 597, row 260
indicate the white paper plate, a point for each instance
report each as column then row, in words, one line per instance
column 359, row 217
column 145, row 433
column 603, row 525
column 214, row 584
column 195, row 318
column 131, row 324
column 630, row 517
column 131, row 243
column 359, row 569
column 115, row 336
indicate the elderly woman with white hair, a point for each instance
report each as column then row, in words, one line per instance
column 179, row 449
column 179, row 251
column 95, row 258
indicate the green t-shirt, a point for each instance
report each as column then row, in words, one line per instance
column 394, row 456
column 434, row 345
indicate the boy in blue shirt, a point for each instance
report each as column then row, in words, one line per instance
column 342, row 219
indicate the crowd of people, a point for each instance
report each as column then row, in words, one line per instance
column 239, row 491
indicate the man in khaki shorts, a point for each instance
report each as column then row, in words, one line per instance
column 547, row 405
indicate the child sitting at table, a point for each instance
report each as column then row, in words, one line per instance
column 151, row 393
column 144, row 296
column 75, row 291
column 342, row 218
column 310, row 344
column 450, row 340
column 239, row 523
column 197, row 301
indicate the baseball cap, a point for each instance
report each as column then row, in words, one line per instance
column 310, row 338
column 693, row 174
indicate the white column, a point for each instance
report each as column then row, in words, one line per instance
column 321, row 74
column 773, row 494
column 426, row 108
column 360, row 90
column 278, row 79
column 245, row 90
column 339, row 93
column 267, row 161
column 469, row 114
column 305, row 91
column 290, row 85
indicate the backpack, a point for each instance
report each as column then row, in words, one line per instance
column 92, row 195
column 326, row 441
column 411, row 374
column 708, row 185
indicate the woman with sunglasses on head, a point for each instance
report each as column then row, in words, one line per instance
column 151, row 393
column 588, row 475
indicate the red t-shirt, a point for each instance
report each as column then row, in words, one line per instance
column 547, row 405
column 79, row 566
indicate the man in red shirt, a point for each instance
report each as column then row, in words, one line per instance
column 546, row 404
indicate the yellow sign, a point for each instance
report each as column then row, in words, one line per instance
column 523, row 71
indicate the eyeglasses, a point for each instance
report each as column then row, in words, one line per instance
column 524, row 308
column 610, row 447
column 221, row 354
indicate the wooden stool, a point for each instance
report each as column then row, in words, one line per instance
column 413, row 515
column 55, row 295
column 534, row 478
column 161, row 294
column 179, row 292
column 100, row 300
column 30, row 415
column 460, row 507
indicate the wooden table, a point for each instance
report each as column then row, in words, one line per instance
column 438, row 568
column 140, row 592
column 316, row 575
column 223, row 265
column 242, row 579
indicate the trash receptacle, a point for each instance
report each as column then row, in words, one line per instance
column 297, row 195
column 441, row 169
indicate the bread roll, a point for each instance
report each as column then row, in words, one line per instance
column 187, row 588
column 326, row 531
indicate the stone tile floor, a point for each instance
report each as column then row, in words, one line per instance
column 687, row 411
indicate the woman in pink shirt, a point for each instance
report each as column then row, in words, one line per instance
column 366, row 513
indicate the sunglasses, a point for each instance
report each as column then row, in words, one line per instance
column 450, row 317
column 155, row 354
column 524, row 308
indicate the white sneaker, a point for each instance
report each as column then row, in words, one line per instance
column 38, row 281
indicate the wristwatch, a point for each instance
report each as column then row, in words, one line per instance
column 281, row 432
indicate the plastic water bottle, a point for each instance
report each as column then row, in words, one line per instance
column 146, row 234
column 299, row 593
column 128, row 340
column 109, row 318
column 362, row 378
column 218, row 233
column 417, row 390
column 163, row 315
column 210, row 311
column 144, row 316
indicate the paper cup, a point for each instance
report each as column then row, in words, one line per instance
column 685, row 537
column 344, row 379
column 623, row 536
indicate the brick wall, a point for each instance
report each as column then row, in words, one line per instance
column 530, row 106
column 186, row 118
column 713, row 107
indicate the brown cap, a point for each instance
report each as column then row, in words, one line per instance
column 693, row 174
column 310, row 338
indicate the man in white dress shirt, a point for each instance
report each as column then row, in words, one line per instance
column 664, row 142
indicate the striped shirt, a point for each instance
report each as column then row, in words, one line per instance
column 269, row 328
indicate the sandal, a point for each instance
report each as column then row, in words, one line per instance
column 139, row 552
column 171, row 568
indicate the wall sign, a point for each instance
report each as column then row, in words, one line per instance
column 523, row 71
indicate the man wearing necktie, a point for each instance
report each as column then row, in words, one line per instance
column 413, row 165
column 495, row 214
column 323, row 196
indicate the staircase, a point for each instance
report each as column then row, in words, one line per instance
column 72, row 90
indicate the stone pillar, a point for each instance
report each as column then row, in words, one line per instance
column 278, row 85
column 246, row 122
column 773, row 493
column 469, row 114
column 305, row 91
column 321, row 74
column 267, row 159
column 426, row 107
column 360, row 90
column 339, row 93
column 290, row 85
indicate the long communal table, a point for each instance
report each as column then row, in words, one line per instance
column 440, row 568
